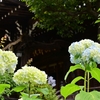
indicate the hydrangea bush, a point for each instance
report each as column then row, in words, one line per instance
column 84, row 51
column 29, row 82
column 35, row 84
column 30, row 74
column 85, row 54
column 8, row 62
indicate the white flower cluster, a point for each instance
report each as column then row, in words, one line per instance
column 8, row 61
column 84, row 51
column 29, row 74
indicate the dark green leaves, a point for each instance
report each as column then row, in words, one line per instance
column 66, row 16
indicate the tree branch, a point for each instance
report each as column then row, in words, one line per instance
column 13, row 43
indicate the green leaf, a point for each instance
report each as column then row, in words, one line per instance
column 95, row 73
column 69, row 89
column 18, row 88
column 3, row 86
column 98, row 10
column 34, row 95
column 26, row 96
column 73, row 68
column 45, row 91
column 94, row 95
column 97, row 21
column 77, row 79
column 92, row 64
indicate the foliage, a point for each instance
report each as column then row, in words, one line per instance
column 41, row 92
column 98, row 21
column 3, row 87
column 85, row 58
column 6, row 78
column 46, row 92
column 32, row 84
column 66, row 16
column 8, row 62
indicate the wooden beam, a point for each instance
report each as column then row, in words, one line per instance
column 17, row 2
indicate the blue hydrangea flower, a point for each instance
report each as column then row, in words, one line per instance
column 84, row 51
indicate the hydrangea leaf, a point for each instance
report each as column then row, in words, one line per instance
column 94, row 95
column 45, row 91
column 73, row 68
column 3, row 86
column 18, row 88
column 95, row 73
column 69, row 89
column 77, row 79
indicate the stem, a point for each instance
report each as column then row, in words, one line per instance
column 85, row 81
column 29, row 89
column 88, row 81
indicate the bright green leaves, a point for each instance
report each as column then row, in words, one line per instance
column 94, row 95
column 73, row 68
column 90, row 66
column 45, row 91
column 72, row 87
column 75, row 80
column 26, row 96
column 3, row 87
column 98, row 20
column 95, row 73
column 69, row 89
column 18, row 88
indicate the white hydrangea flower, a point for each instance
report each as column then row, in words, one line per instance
column 86, row 43
column 30, row 74
column 97, row 45
column 91, row 54
column 84, row 51
column 8, row 61
column 76, row 48
column 75, row 59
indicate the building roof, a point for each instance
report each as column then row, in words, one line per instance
column 12, row 11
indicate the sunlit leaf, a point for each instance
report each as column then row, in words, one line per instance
column 73, row 68
column 97, row 21
column 77, row 79
column 95, row 73
column 69, row 89
column 3, row 86
column 94, row 95
column 45, row 91
column 18, row 88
